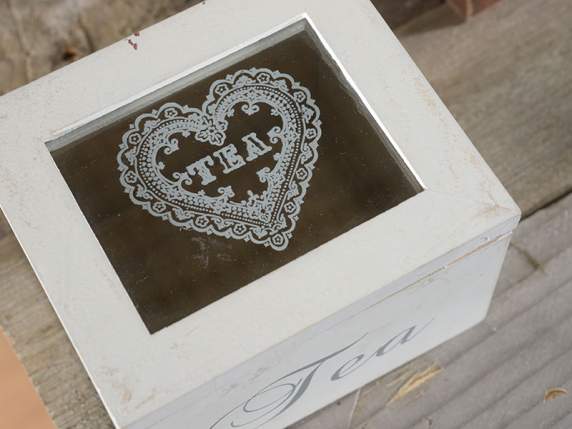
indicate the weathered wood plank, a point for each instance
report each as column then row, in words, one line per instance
column 525, row 137
column 502, row 375
column 36, row 35
column 42, row 345
column 505, row 75
column 507, row 68
column 556, row 221
column 335, row 416
column 467, row 8
column 495, row 375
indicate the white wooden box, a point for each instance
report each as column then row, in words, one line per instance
column 375, row 231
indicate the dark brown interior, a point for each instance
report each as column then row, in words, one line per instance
column 170, row 273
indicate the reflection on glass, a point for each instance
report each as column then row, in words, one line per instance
column 202, row 189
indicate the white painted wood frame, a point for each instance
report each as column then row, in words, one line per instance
column 143, row 379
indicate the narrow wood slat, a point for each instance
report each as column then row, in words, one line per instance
column 505, row 364
column 505, row 76
column 521, row 345
column 35, row 35
column 523, row 404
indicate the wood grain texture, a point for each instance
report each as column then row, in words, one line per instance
column 39, row 36
column 495, row 375
column 506, row 77
column 467, row 8
column 34, row 38
column 43, row 346
column 498, row 377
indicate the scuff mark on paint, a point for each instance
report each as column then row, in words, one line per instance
column 134, row 44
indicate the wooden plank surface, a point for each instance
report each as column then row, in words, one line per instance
column 495, row 375
column 506, row 77
column 398, row 12
column 38, row 36
column 42, row 345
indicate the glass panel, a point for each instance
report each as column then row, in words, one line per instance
column 206, row 186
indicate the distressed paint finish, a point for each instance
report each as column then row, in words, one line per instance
column 497, row 374
column 38, row 37
column 535, row 268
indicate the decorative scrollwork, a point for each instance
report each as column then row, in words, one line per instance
column 268, row 218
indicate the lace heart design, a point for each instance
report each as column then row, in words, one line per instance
column 268, row 217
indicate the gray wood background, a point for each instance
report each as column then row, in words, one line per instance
column 507, row 77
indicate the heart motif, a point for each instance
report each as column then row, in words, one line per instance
column 267, row 218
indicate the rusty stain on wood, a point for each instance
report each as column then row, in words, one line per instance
column 70, row 54
column 415, row 382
